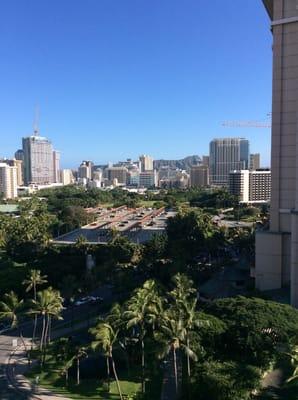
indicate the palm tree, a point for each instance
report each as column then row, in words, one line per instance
column 105, row 339
column 172, row 336
column 33, row 280
column 48, row 305
column 79, row 354
column 143, row 309
column 11, row 309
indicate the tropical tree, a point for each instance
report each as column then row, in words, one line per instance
column 11, row 309
column 80, row 353
column 33, row 280
column 105, row 339
column 48, row 305
column 143, row 309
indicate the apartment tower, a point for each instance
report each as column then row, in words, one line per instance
column 277, row 249
column 227, row 155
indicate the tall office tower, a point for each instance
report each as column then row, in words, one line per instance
column 85, row 170
column 119, row 173
column 19, row 166
column 199, row 176
column 260, row 185
column 227, row 155
column 148, row 179
column 66, row 177
column 254, row 161
column 205, row 161
column 8, row 181
column 56, row 166
column 239, row 185
column 38, row 160
column 277, row 249
column 146, row 163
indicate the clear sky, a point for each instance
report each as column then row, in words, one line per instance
column 117, row 78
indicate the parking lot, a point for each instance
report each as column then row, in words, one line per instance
column 138, row 224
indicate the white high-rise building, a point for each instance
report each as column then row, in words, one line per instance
column 56, row 166
column 146, row 163
column 66, row 177
column 8, row 181
column 251, row 186
column 38, row 160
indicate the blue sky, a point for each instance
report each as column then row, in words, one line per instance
column 117, row 78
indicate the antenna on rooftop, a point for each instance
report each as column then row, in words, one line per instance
column 36, row 122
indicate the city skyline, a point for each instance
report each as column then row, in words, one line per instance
column 129, row 86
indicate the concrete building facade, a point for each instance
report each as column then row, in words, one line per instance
column 38, row 160
column 8, row 181
column 199, row 176
column 277, row 249
column 146, row 163
column 227, row 154
column 254, row 161
column 251, row 186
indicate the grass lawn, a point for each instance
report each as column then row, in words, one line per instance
column 89, row 388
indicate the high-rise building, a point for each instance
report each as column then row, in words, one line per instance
column 85, row 170
column 19, row 166
column 56, row 166
column 146, row 163
column 227, row 155
column 277, row 249
column 205, row 161
column 66, row 177
column 38, row 160
column 199, row 176
column 251, row 186
column 8, row 181
column 117, row 173
column 260, row 185
column 148, row 179
column 239, row 184
column 254, row 161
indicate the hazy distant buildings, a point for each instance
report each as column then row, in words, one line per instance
column 199, row 176
column 66, row 177
column 38, row 160
column 205, row 161
column 146, row 163
column 148, row 179
column 227, row 155
column 117, row 175
column 85, row 170
column 8, row 181
column 56, row 166
column 254, row 161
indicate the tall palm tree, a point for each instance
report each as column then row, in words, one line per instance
column 11, row 309
column 172, row 336
column 48, row 305
column 105, row 339
column 33, row 280
column 143, row 309
column 80, row 353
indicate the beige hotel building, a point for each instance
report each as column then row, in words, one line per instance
column 277, row 249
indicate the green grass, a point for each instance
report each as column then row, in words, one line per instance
column 89, row 388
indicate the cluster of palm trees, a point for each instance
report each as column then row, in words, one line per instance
column 46, row 303
column 170, row 321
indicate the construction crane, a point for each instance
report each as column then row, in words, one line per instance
column 248, row 124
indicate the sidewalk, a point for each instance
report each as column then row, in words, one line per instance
column 16, row 366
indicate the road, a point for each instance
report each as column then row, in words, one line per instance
column 6, row 339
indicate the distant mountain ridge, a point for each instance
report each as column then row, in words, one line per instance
column 185, row 163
